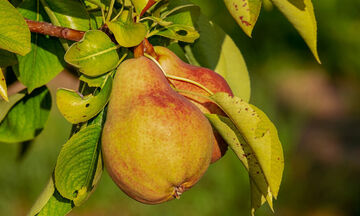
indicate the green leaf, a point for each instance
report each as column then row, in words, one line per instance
column 14, row 32
column 182, row 19
column 77, row 163
column 245, row 13
column 180, row 32
column 139, row 5
column 6, row 106
column 27, row 118
column 76, row 108
column 301, row 14
column 94, row 55
column 243, row 150
column 70, row 14
column 44, row 61
column 7, row 58
column 3, row 87
column 217, row 51
column 94, row 81
column 260, row 134
column 50, row 202
column 127, row 33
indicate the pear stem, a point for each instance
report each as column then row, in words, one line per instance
column 190, row 81
column 120, row 12
column 176, row 77
column 110, row 10
column 193, row 93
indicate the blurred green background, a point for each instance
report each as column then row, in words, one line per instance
column 316, row 109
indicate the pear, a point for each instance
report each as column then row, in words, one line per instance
column 173, row 65
column 155, row 143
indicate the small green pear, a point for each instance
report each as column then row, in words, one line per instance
column 173, row 65
column 155, row 143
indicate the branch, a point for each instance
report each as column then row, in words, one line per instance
column 55, row 31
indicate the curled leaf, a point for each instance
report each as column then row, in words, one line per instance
column 94, row 55
column 76, row 108
column 127, row 33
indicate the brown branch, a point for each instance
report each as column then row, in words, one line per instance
column 55, row 31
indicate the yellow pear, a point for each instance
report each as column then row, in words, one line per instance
column 155, row 143
column 173, row 65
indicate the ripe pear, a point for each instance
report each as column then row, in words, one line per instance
column 173, row 65
column 155, row 143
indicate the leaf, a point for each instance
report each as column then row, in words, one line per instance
column 260, row 134
column 14, row 32
column 6, row 106
column 50, row 202
column 301, row 14
column 127, row 33
column 139, row 5
column 232, row 67
column 3, row 87
column 183, row 19
column 94, row 55
column 180, row 32
column 232, row 136
column 44, row 61
column 245, row 13
column 76, row 108
column 77, row 162
column 27, row 118
column 217, row 51
column 7, row 58
column 257, row 199
column 70, row 14
column 94, row 81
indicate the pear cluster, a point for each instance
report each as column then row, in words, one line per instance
column 157, row 143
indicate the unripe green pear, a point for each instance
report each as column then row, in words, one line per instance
column 173, row 65
column 155, row 143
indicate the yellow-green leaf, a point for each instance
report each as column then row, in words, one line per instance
column 180, row 32
column 14, row 32
column 3, row 87
column 232, row 67
column 94, row 55
column 259, row 133
column 301, row 14
column 232, row 136
column 76, row 108
column 245, row 13
column 127, row 33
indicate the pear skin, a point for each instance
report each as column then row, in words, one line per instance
column 173, row 65
column 156, row 144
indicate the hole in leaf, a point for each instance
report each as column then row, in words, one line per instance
column 182, row 32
